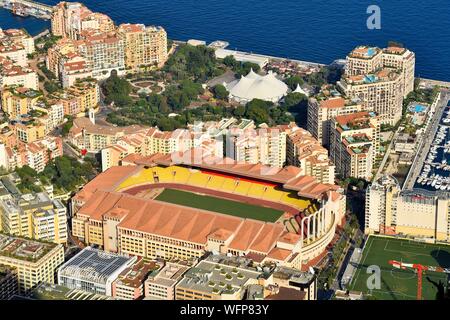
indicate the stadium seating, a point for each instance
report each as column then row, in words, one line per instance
column 215, row 182
column 256, row 190
column 229, row 185
column 144, row 176
column 181, row 174
column 272, row 194
column 242, row 187
column 194, row 177
column 164, row 174
column 198, row 179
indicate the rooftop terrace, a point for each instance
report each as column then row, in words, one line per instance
column 23, row 249
column 46, row 291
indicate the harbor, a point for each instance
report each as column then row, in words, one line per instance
column 27, row 8
column 434, row 174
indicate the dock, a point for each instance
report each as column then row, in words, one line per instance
column 25, row 8
column 220, row 45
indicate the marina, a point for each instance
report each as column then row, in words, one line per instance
column 435, row 171
column 27, row 8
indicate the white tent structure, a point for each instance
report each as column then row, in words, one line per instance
column 253, row 86
column 300, row 90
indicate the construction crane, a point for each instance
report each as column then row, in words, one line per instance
column 419, row 269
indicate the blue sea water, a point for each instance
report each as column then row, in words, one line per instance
column 312, row 30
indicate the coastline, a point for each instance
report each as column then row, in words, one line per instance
column 259, row 55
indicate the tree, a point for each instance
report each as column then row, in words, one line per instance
column 239, row 111
column 230, row 61
column 257, row 110
column 220, row 92
column 66, row 127
column 196, row 62
column 117, row 90
column 293, row 81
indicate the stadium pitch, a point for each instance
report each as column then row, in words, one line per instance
column 230, row 207
column 398, row 284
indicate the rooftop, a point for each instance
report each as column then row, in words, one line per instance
column 23, row 249
column 364, row 52
column 214, row 277
column 95, row 265
column 46, row 291
column 137, row 274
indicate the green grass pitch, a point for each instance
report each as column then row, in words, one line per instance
column 397, row 284
column 220, row 205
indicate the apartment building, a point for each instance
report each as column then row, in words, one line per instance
column 79, row 98
column 73, row 67
column 93, row 271
column 364, row 60
column 305, row 152
column 264, row 145
column 12, row 74
column 104, row 52
column 34, row 261
column 34, row 216
column 70, row 19
column 17, row 101
column 28, row 129
column 64, row 48
column 381, row 78
column 16, row 154
column 52, row 114
column 404, row 60
column 144, row 46
column 380, row 92
column 86, row 134
column 129, row 285
column 219, row 277
column 19, row 37
column 355, row 140
column 322, row 109
column 13, row 51
column 39, row 153
column 409, row 213
column 381, row 206
column 297, row 283
column 160, row 284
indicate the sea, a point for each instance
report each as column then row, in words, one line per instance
column 314, row 30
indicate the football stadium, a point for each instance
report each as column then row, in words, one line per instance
column 402, row 283
column 153, row 207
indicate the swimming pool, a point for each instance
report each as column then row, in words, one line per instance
column 417, row 108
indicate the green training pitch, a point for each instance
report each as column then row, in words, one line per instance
column 220, row 205
column 398, row 284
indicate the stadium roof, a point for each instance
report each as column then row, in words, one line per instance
column 183, row 223
column 254, row 86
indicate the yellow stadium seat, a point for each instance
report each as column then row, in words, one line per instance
column 164, row 174
column 228, row 185
column 142, row 177
column 291, row 198
column 243, row 187
column 256, row 190
column 198, row 179
column 215, row 182
column 272, row 194
column 181, row 174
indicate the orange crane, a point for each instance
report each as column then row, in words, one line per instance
column 419, row 269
